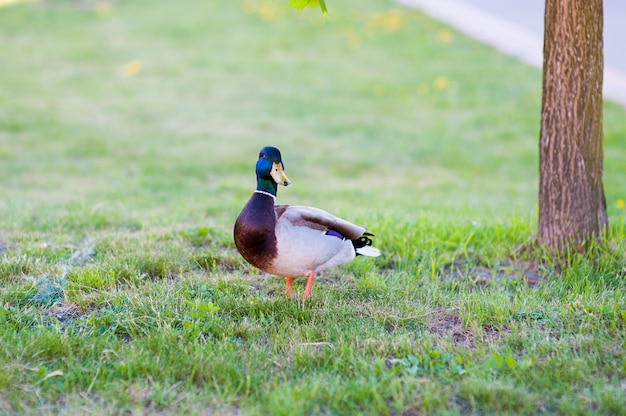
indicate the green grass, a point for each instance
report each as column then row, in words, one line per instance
column 121, row 290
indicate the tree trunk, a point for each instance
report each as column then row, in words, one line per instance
column 572, row 206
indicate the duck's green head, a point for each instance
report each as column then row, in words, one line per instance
column 270, row 170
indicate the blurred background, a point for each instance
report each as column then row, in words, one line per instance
column 129, row 114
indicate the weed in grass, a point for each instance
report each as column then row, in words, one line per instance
column 430, row 364
column 48, row 291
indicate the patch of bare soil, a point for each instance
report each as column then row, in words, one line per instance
column 64, row 312
column 446, row 325
column 508, row 271
column 491, row 333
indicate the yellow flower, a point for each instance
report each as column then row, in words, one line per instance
column 103, row 8
column 390, row 21
column 267, row 12
column 440, row 83
column 444, row 36
column 621, row 204
column 131, row 68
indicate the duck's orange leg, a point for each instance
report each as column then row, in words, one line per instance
column 288, row 282
column 309, row 284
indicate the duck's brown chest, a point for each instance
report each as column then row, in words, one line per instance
column 254, row 231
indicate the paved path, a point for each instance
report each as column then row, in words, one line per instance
column 516, row 28
column 10, row 2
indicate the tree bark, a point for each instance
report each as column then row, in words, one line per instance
column 572, row 206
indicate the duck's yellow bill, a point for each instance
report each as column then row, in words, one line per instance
column 279, row 175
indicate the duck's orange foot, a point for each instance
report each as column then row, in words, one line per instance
column 288, row 282
column 309, row 285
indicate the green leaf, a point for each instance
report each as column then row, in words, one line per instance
column 494, row 362
column 301, row 4
column 208, row 307
column 202, row 309
column 323, row 6
column 510, row 362
column 298, row 4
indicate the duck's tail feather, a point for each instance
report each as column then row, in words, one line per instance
column 368, row 251
column 363, row 246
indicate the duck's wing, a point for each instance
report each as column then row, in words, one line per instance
column 317, row 219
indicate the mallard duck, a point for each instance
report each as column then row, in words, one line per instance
column 293, row 240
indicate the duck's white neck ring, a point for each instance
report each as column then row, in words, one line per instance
column 265, row 193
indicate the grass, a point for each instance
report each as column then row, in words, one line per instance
column 128, row 135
